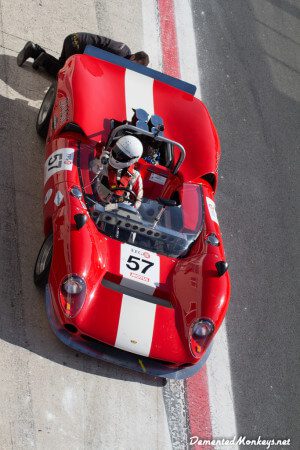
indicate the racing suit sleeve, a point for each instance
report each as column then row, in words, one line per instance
column 138, row 189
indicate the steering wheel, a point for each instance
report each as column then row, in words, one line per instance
column 129, row 191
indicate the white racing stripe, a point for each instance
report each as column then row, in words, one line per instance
column 138, row 93
column 136, row 323
column 174, row 391
column 218, row 365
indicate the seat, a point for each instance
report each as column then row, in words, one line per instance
column 154, row 178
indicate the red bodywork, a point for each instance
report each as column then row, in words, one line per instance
column 90, row 93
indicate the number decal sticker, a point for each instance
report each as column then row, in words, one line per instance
column 61, row 159
column 140, row 268
column 55, row 162
column 212, row 209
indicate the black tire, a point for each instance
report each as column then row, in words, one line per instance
column 44, row 115
column 43, row 262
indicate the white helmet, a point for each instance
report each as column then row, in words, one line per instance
column 126, row 151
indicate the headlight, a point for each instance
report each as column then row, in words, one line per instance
column 73, row 290
column 202, row 329
column 73, row 285
column 200, row 332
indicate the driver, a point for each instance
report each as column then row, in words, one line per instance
column 115, row 169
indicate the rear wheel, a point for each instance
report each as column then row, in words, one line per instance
column 43, row 262
column 44, row 115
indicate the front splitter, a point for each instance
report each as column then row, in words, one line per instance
column 116, row 356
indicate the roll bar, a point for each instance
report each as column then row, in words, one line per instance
column 128, row 127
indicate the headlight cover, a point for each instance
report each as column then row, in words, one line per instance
column 73, row 292
column 200, row 333
column 202, row 328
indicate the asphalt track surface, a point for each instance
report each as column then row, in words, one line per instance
column 248, row 57
column 249, row 76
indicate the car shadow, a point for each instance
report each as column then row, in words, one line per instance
column 23, row 320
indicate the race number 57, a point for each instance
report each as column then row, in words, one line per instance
column 59, row 160
column 138, row 264
column 140, row 268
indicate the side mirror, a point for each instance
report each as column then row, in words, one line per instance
column 80, row 220
column 222, row 267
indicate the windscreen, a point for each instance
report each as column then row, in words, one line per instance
column 154, row 226
column 159, row 225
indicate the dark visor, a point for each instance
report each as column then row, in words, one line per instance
column 120, row 156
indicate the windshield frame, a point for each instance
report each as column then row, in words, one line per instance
column 121, row 221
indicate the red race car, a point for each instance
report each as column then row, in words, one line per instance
column 145, row 288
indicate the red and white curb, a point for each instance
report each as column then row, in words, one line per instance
column 201, row 406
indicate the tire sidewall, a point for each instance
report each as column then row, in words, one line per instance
column 40, row 279
column 42, row 126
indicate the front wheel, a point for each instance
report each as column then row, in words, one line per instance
column 43, row 262
column 44, row 115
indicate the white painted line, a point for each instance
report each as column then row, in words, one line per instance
column 151, row 29
column 136, row 323
column 138, row 93
column 218, row 364
column 220, row 389
column 178, row 422
column 187, row 43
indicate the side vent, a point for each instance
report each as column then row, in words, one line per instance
column 211, row 179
